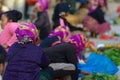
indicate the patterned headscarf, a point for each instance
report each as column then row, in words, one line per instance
column 27, row 32
column 62, row 32
column 79, row 42
column 43, row 4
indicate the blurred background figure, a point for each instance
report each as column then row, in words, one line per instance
column 3, row 8
column 118, row 11
column 62, row 10
column 95, row 21
column 42, row 21
column 15, row 5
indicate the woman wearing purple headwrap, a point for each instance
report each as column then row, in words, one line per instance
column 42, row 23
column 66, row 52
column 25, row 59
column 79, row 42
column 58, row 35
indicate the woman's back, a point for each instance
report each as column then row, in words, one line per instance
column 26, row 64
column 63, row 52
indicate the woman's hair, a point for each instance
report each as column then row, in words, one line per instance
column 3, row 55
column 13, row 15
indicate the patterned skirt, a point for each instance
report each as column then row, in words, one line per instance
column 92, row 25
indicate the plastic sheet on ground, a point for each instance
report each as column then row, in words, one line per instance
column 98, row 63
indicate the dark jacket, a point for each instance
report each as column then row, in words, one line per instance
column 98, row 14
column 48, row 41
column 43, row 25
column 26, row 64
column 63, row 53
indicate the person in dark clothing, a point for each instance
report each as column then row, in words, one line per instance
column 42, row 23
column 95, row 21
column 25, row 59
column 62, row 10
column 47, row 42
column 63, row 53
column 67, row 52
column 98, row 14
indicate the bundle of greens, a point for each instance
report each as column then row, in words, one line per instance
column 100, row 76
column 113, row 54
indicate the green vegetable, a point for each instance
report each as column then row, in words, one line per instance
column 113, row 54
column 100, row 76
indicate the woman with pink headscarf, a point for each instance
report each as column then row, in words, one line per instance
column 58, row 35
column 25, row 59
column 42, row 23
column 68, row 53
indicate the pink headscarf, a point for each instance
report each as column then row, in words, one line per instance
column 80, row 42
column 61, row 31
column 43, row 4
column 27, row 29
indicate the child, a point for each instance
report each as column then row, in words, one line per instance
column 2, row 61
column 42, row 23
column 9, row 24
column 27, row 58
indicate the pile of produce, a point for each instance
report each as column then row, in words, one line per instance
column 100, row 76
column 114, row 55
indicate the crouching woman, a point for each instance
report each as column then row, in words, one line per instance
column 25, row 59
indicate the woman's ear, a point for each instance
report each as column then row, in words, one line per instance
column 38, row 40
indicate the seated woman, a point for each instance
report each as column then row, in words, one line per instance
column 66, row 52
column 95, row 21
column 25, row 59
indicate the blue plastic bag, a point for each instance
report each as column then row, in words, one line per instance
column 98, row 63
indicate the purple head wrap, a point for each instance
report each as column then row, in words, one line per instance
column 43, row 4
column 27, row 29
column 61, row 31
column 79, row 42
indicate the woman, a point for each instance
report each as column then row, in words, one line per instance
column 9, row 23
column 62, row 10
column 58, row 35
column 25, row 59
column 95, row 21
column 42, row 23
column 66, row 52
